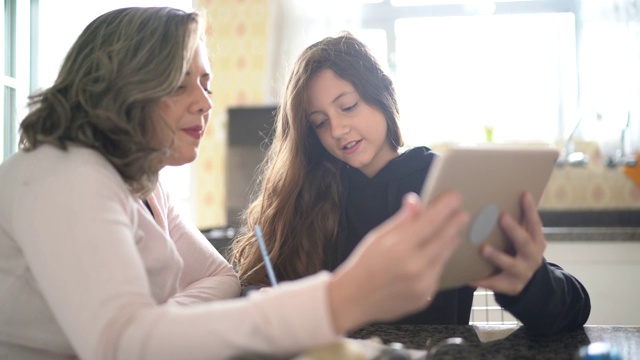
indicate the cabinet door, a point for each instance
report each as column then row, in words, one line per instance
column 610, row 271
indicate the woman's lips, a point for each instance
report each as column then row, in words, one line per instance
column 194, row 131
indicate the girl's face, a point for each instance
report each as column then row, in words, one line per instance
column 349, row 128
column 187, row 109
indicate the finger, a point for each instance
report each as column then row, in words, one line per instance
column 425, row 221
column 531, row 221
column 519, row 237
column 411, row 203
column 441, row 209
column 502, row 260
column 451, row 228
column 441, row 246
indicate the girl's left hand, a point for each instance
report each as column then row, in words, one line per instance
column 529, row 243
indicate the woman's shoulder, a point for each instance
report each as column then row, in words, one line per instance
column 48, row 164
column 78, row 160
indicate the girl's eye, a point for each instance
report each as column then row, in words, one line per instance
column 319, row 124
column 180, row 88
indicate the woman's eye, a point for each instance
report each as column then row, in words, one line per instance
column 349, row 108
column 205, row 87
column 180, row 88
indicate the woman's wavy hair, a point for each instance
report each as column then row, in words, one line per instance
column 297, row 199
column 106, row 94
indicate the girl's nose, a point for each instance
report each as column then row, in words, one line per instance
column 339, row 127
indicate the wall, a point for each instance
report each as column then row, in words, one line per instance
column 595, row 186
column 238, row 42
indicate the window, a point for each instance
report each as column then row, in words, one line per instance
column 16, row 40
column 462, row 69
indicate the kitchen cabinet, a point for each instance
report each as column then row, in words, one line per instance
column 609, row 269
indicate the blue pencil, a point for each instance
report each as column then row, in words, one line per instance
column 265, row 257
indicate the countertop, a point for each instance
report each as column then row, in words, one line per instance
column 591, row 218
column 592, row 225
column 592, row 233
column 503, row 341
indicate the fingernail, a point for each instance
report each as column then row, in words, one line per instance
column 507, row 221
column 487, row 250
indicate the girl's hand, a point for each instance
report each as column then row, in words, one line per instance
column 529, row 243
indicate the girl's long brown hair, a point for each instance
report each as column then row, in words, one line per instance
column 297, row 202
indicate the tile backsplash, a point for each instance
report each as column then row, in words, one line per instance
column 594, row 186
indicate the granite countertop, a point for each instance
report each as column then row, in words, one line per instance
column 591, row 225
column 592, row 233
column 503, row 341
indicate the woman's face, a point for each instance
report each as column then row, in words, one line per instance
column 349, row 128
column 187, row 109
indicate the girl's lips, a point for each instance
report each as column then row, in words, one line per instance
column 352, row 149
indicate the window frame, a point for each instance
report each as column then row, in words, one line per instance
column 18, row 41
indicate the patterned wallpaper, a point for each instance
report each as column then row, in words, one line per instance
column 238, row 44
column 595, row 186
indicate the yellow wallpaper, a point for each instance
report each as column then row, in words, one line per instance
column 238, row 42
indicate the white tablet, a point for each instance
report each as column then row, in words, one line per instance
column 491, row 181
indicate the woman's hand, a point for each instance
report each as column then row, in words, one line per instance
column 529, row 243
column 396, row 269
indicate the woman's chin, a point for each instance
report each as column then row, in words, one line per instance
column 181, row 159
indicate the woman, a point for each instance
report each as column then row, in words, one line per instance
column 96, row 263
column 334, row 172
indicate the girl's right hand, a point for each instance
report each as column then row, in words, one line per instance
column 396, row 268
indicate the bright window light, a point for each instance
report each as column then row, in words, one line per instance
column 458, row 75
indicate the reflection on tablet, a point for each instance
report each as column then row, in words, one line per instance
column 483, row 224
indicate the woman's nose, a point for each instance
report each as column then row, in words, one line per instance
column 203, row 102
